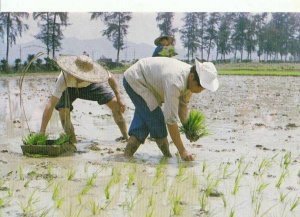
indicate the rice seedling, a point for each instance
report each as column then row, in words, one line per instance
column 267, row 211
column 232, row 213
column 168, row 52
column 85, row 190
column 140, row 188
column 63, row 139
column 158, row 173
column 236, row 184
column 212, row 184
column 10, row 190
column 27, row 183
column 165, row 184
column 116, row 174
column 44, row 212
column 56, row 191
column 131, row 177
column 35, row 139
column 224, row 200
column 204, row 166
column 177, row 207
column 262, row 187
column 129, row 204
column 263, row 166
column 257, row 206
column 2, row 203
column 295, row 204
column 194, row 180
column 194, row 128
column 50, row 175
column 149, row 212
column 74, row 212
column 107, row 190
column 79, row 198
column 21, row 173
column 27, row 208
column 150, row 200
column 282, row 196
column 287, row 159
column 181, row 171
column 58, row 202
column 225, row 171
column 70, row 174
column 90, row 182
column 203, row 199
column 95, row 208
column 282, row 177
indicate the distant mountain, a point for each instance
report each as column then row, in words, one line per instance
column 96, row 48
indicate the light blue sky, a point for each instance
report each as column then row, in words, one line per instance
column 142, row 27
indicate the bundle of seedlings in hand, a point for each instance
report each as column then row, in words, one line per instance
column 35, row 139
column 168, row 52
column 194, row 127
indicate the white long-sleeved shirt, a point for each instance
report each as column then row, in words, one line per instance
column 161, row 80
column 70, row 81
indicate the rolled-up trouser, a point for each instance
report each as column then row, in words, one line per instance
column 145, row 121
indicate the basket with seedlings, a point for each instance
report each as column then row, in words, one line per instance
column 40, row 144
column 194, row 128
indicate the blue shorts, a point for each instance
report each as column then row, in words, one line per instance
column 144, row 121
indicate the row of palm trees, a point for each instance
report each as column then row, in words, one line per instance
column 272, row 35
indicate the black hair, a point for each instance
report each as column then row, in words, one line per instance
column 194, row 72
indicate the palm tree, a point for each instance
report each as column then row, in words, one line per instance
column 14, row 26
column 165, row 22
column 51, row 33
column 116, row 30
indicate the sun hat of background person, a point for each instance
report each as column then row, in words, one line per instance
column 168, row 37
column 208, row 75
column 83, row 68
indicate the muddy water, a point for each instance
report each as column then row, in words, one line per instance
column 249, row 118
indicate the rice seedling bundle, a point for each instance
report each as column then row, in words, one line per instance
column 194, row 128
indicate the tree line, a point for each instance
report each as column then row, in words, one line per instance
column 271, row 36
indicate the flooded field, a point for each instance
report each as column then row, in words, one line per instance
column 248, row 166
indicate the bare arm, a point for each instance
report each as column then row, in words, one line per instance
column 183, row 112
column 114, row 86
column 48, row 113
column 175, row 135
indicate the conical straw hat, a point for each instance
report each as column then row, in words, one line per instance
column 83, row 67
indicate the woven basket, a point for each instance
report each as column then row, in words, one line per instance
column 49, row 149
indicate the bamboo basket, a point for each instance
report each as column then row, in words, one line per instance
column 48, row 150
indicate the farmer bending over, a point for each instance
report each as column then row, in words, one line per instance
column 80, row 78
column 156, row 80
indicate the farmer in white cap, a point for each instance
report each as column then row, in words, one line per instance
column 155, row 80
column 82, row 78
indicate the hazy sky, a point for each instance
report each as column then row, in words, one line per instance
column 142, row 27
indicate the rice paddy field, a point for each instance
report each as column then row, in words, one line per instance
column 248, row 165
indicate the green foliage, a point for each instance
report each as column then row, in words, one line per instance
column 194, row 127
column 35, row 139
column 168, row 51
column 63, row 139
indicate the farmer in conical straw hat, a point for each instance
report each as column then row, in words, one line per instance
column 155, row 80
column 82, row 78
column 165, row 46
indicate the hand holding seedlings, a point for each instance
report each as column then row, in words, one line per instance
column 194, row 128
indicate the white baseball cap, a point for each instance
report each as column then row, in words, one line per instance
column 208, row 75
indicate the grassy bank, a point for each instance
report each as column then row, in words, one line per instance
column 259, row 72
column 256, row 69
